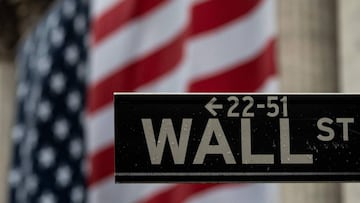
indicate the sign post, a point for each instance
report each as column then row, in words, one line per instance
column 236, row 137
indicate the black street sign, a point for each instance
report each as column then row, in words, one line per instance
column 237, row 137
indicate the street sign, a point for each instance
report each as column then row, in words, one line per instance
column 236, row 137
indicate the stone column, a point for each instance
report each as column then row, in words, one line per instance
column 7, row 94
column 307, row 45
column 349, row 67
column 308, row 63
column 16, row 19
column 349, row 45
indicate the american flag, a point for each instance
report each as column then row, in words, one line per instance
column 147, row 46
column 48, row 136
column 174, row 46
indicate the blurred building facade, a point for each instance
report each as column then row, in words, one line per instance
column 318, row 46
column 308, row 63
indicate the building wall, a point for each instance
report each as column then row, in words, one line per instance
column 307, row 45
column 7, row 93
column 349, row 67
column 308, row 63
column 349, row 45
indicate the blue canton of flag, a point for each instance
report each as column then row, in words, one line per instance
column 48, row 136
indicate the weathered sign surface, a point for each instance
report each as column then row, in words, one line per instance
column 236, row 137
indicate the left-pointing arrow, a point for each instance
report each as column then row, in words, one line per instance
column 211, row 106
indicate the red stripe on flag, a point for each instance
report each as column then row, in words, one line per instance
column 243, row 78
column 246, row 77
column 120, row 14
column 102, row 165
column 165, row 59
column 215, row 13
column 181, row 192
column 136, row 74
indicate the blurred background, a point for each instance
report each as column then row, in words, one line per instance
column 60, row 61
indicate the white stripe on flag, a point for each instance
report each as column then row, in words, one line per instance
column 138, row 38
column 100, row 7
column 98, row 135
column 211, row 53
column 208, row 54
column 108, row 191
column 238, row 41
column 250, row 193
column 270, row 85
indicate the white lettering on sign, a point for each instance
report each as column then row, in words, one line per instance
column 211, row 106
column 247, row 156
column 214, row 129
column 286, row 156
column 324, row 125
column 167, row 132
column 330, row 132
column 275, row 106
